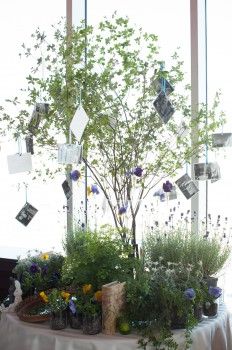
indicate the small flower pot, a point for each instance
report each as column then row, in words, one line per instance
column 210, row 310
column 58, row 320
column 198, row 312
column 91, row 324
column 211, row 281
column 75, row 320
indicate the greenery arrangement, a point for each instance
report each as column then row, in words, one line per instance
column 168, row 301
column 97, row 258
column 129, row 149
column 180, row 245
column 86, row 301
column 56, row 300
column 39, row 272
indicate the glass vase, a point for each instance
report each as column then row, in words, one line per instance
column 210, row 310
column 92, row 324
column 58, row 319
column 75, row 320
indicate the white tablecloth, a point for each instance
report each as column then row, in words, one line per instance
column 210, row 334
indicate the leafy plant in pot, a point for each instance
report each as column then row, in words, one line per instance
column 210, row 308
column 88, row 303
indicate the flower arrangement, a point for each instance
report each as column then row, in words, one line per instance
column 86, row 301
column 56, row 300
column 210, row 296
column 38, row 272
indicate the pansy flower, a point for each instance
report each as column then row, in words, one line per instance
column 87, row 288
column 167, row 186
column 75, row 175
column 138, row 171
column 122, row 210
column 65, row 295
column 34, row 268
column 98, row 296
column 190, row 294
column 72, row 307
column 94, row 189
column 44, row 297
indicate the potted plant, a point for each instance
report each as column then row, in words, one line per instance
column 39, row 271
column 210, row 305
column 57, row 302
column 180, row 245
column 171, row 294
column 88, row 303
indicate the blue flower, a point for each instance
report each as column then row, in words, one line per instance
column 138, row 171
column 189, row 294
column 44, row 269
column 167, row 186
column 34, row 268
column 94, row 189
column 75, row 175
column 215, row 292
column 72, row 307
column 122, row 210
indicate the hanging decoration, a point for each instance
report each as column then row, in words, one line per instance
column 67, row 189
column 69, row 153
column 26, row 214
column 29, row 143
column 172, row 194
column 79, row 123
column 93, row 189
column 222, row 140
column 122, row 210
column 187, row 186
column 162, row 104
column 207, row 171
column 75, row 175
column 40, row 109
column 167, row 186
column 161, row 194
column 137, row 171
column 19, row 162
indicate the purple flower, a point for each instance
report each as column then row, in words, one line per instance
column 75, row 175
column 34, row 268
column 72, row 307
column 44, row 269
column 94, row 189
column 122, row 210
column 167, row 186
column 189, row 294
column 215, row 292
column 138, row 171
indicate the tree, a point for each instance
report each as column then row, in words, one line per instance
column 127, row 147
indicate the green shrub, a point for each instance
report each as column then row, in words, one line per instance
column 96, row 258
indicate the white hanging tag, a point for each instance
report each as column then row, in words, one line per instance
column 79, row 122
column 68, row 153
column 19, row 163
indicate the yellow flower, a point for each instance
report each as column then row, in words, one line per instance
column 86, row 288
column 43, row 296
column 98, row 296
column 44, row 256
column 89, row 190
column 65, row 295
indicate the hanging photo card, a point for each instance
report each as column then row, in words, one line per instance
column 26, row 214
column 172, row 195
column 19, row 163
column 207, row 171
column 67, row 190
column 164, row 107
column 29, row 143
column 79, row 122
column 69, row 154
column 187, row 186
column 161, row 84
column 222, row 140
column 39, row 110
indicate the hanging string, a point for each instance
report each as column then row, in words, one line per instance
column 163, row 83
column 26, row 185
column 19, row 145
column 70, row 137
column 186, row 168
